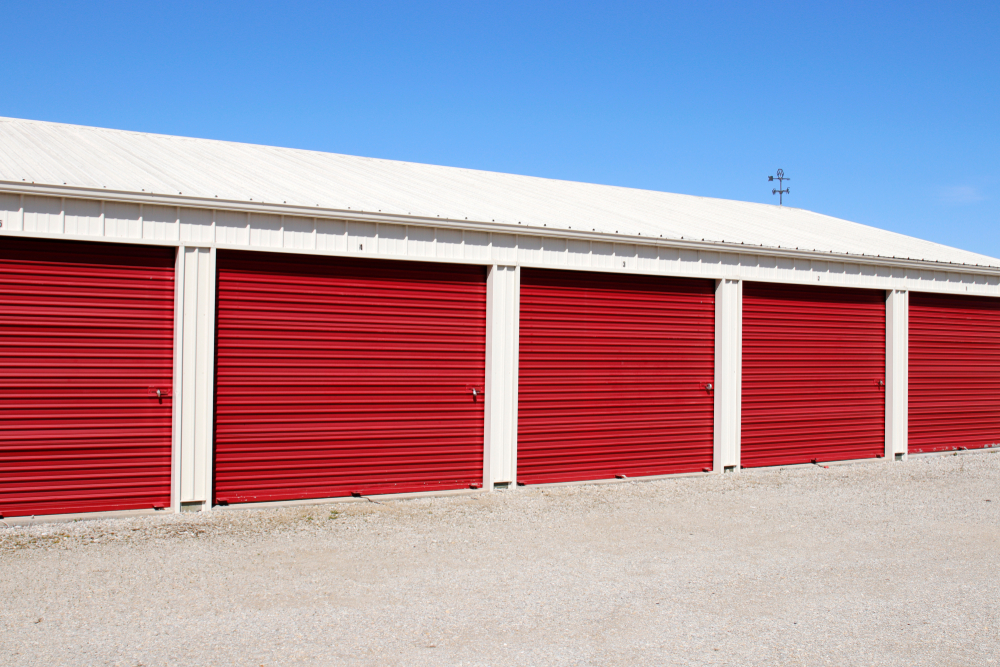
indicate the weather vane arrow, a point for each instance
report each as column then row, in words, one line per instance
column 781, row 178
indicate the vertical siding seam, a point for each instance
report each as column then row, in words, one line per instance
column 177, row 450
column 208, row 403
column 515, row 364
column 738, row 370
column 490, row 442
column 906, row 375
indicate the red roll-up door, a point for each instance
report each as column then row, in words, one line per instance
column 612, row 376
column 339, row 376
column 813, row 374
column 86, row 338
column 954, row 372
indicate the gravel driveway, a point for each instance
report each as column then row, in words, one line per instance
column 874, row 564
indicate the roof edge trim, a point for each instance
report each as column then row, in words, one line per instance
column 14, row 187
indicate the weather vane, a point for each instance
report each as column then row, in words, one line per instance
column 781, row 178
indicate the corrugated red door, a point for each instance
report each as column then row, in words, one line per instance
column 612, row 376
column 86, row 337
column 954, row 372
column 339, row 376
column 813, row 364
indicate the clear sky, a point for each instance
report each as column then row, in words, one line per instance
column 885, row 113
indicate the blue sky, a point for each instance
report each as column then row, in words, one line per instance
column 887, row 114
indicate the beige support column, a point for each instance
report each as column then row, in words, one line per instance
column 194, row 379
column 728, row 373
column 503, row 297
column 897, row 361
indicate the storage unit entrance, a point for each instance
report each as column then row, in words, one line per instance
column 954, row 398
column 614, row 376
column 340, row 376
column 86, row 365
column 342, row 325
column 813, row 374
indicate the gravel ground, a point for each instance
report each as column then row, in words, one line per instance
column 874, row 564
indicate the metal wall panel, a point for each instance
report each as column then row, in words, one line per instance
column 340, row 376
column 954, row 372
column 86, row 338
column 502, row 296
column 728, row 372
column 896, row 371
column 535, row 248
column 813, row 360
column 196, row 378
column 612, row 376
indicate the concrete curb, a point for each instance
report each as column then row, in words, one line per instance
column 957, row 452
column 120, row 514
column 349, row 499
column 592, row 482
column 82, row 516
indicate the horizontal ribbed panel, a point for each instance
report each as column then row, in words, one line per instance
column 85, row 330
column 612, row 375
column 338, row 376
column 812, row 361
column 954, row 396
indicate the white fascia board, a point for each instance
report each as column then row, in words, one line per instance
column 349, row 215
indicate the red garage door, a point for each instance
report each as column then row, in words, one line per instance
column 813, row 368
column 954, row 372
column 340, row 376
column 613, row 374
column 86, row 338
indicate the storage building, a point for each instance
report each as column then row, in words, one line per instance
column 186, row 322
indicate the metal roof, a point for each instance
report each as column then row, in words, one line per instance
column 95, row 158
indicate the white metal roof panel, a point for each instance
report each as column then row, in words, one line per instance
column 87, row 157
